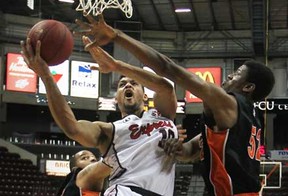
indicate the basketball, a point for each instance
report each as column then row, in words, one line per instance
column 56, row 41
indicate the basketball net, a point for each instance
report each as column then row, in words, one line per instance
column 97, row 6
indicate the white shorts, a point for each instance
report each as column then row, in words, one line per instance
column 120, row 191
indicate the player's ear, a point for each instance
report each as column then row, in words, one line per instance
column 145, row 97
column 74, row 168
column 249, row 87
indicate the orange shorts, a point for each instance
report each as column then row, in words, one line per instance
column 248, row 194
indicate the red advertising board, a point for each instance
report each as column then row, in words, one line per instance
column 209, row 74
column 18, row 76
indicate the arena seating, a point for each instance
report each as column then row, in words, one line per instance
column 20, row 177
column 188, row 180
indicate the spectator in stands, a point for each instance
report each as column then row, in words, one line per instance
column 131, row 146
column 232, row 135
column 87, row 176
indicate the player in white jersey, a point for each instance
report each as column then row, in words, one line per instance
column 136, row 154
column 139, row 165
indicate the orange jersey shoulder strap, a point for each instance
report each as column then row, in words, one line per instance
column 89, row 193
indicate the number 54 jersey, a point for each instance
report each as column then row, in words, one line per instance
column 136, row 156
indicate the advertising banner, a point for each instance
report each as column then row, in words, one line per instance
column 61, row 77
column 57, row 167
column 209, row 74
column 273, row 105
column 84, row 81
column 106, row 104
column 18, row 76
column 279, row 155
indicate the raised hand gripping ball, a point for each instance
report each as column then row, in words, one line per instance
column 56, row 41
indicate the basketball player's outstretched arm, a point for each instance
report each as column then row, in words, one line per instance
column 164, row 99
column 222, row 105
column 92, row 176
column 85, row 132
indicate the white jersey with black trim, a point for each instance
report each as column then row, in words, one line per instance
column 135, row 154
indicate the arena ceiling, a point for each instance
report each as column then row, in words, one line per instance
column 159, row 15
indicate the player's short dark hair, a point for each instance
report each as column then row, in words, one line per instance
column 72, row 162
column 122, row 76
column 263, row 78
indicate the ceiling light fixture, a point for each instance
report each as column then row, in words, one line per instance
column 67, row 1
column 182, row 10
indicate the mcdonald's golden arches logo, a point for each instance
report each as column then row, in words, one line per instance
column 209, row 74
